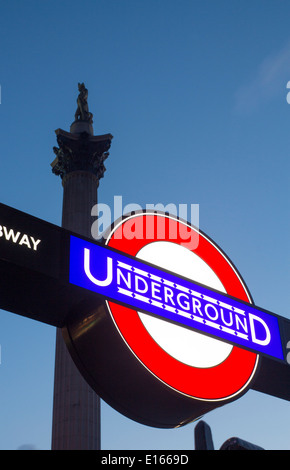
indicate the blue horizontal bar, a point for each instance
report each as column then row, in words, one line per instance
column 149, row 289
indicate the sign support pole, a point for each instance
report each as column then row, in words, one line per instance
column 79, row 163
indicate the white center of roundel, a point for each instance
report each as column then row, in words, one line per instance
column 187, row 346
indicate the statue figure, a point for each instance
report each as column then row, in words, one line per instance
column 82, row 113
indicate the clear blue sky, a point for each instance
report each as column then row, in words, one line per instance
column 194, row 93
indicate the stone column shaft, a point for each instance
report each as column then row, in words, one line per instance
column 76, row 407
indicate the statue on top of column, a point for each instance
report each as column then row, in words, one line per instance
column 82, row 113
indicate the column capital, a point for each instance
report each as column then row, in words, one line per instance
column 80, row 152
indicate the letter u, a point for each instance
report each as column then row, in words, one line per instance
column 106, row 281
column 230, row 322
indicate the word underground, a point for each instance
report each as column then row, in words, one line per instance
column 13, row 236
column 104, row 220
column 149, row 289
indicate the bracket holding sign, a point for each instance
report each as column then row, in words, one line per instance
column 162, row 332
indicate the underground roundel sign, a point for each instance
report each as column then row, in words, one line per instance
column 151, row 368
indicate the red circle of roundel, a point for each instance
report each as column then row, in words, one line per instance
column 219, row 382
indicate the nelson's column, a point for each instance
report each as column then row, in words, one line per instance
column 79, row 162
